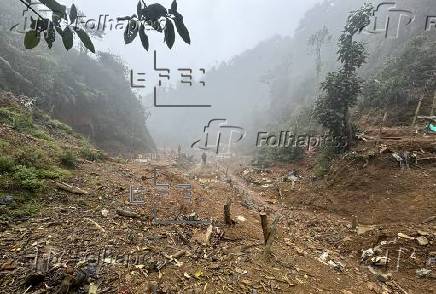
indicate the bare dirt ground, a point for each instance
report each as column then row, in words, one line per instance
column 80, row 243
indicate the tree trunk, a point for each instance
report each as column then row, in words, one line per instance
column 433, row 107
column 418, row 107
column 348, row 129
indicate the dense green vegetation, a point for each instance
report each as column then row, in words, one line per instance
column 402, row 82
column 34, row 150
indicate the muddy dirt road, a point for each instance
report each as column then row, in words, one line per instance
column 100, row 242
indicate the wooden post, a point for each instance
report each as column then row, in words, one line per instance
column 227, row 217
column 280, row 192
column 433, row 107
column 271, row 234
column 418, row 107
column 264, row 223
column 381, row 128
column 355, row 223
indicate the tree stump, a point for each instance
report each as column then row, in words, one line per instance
column 227, row 217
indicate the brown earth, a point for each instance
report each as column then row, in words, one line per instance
column 69, row 235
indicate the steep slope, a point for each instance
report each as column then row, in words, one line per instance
column 35, row 152
column 90, row 93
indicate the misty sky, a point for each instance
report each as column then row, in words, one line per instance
column 219, row 29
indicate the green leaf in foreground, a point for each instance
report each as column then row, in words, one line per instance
column 86, row 40
column 67, row 38
column 31, row 40
column 169, row 33
column 144, row 37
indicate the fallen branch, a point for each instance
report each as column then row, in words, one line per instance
column 426, row 159
column 96, row 225
column 69, row 188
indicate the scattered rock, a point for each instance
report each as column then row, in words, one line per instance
column 373, row 287
column 379, row 260
column 362, row 229
column 380, row 276
column 423, row 241
column 324, row 256
column 92, row 288
column 336, row 265
column 105, row 212
column 240, row 219
column 423, row 233
column 186, row 275
column 367, row 254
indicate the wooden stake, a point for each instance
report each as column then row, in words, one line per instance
column 271, row 234
column 433, row 107
column 418, row 107
column 355, row 223
column 381, row 128
column 264, row 223
column 227, row 216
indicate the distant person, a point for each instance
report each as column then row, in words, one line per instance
column 203, row 158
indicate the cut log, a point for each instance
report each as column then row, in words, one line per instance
column 127, row 213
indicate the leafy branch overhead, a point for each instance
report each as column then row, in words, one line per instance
column 65, row 23
column 158, row 18
column 59, row 23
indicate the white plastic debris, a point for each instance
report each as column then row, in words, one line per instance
column 423, row 273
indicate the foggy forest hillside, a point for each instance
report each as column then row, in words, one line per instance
column 218, row 146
